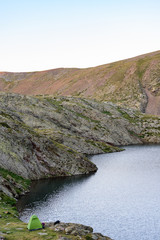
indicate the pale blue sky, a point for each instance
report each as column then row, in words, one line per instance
column 45, row 34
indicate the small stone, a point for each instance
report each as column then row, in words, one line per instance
column 59, row 229
column 98, row 236
column 42, row 234
column 0, row 216
column 68, row 230
column 75, row 233
column 19, row 228
column 63, row 238
column 94, row 237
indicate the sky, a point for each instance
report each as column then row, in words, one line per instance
column 45, row 34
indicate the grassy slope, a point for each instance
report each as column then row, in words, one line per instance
column 128, row 78
column 12, row 228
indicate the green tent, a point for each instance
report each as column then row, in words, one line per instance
column 34, row 223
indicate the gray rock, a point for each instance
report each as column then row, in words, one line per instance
column 98, row 236
column 63, row 238
column 77, row 230
column 71, row 228
column 9, row 232
column 42, row 234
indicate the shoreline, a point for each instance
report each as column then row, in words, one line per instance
column 11, row 218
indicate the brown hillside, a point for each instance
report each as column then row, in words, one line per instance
column 134, row 82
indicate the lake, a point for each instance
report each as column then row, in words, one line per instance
column 121, row 200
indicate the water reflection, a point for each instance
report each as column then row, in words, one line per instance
column 121, row 200
column 42, row 190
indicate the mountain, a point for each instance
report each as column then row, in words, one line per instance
column 43, row 136
column 134, row 82
column 48, row 136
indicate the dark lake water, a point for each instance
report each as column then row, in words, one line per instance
column 121, row 200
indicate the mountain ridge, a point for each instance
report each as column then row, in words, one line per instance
column 58, row 68
column 131, row 82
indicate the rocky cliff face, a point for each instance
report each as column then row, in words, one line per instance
column 46, row 136
column 132, row 82
column 11, row 186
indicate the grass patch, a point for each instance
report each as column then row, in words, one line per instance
column 148, row 116
column 3, row 114
column 107, row 113
column 3, row 124
column 87, row 118
column 7, row 174
column 126, row 116
column 104, row 146
column 89, row 237
column 55, row 103
column 141, row 67
column 133, row 133
column 7, row 199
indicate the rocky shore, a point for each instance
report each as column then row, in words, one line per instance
column 12, row 228
column 76, row 230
